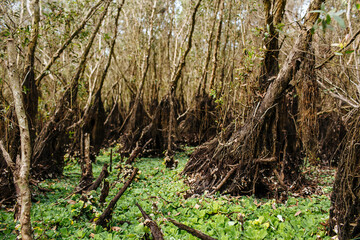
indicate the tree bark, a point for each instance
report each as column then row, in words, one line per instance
column 217, row 44
column 155, row 229
column 308, row 99
column 274, row 11
column 23, row 166
column 190, row 230
column 30, row 91
column 345, row 197
column 86, row 164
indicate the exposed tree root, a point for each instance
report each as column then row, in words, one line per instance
column 199, row 123
column 158, row 128
column 132, row 126
column 332, row 133
column 345, row 198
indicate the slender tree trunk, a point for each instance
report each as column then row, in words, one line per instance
column 145, row 68
column 23, row 166
column 217, row 45
column 308, row 99
column 274, row 11
column 85, row 161
column 173, row 85
column 25, row 97
column 203, row 80
column 94, row 117
column 30, row 91
column 136, row 116
column 58, row 53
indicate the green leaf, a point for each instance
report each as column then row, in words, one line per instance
column 339, row 20
column 328, row 19
column 324, row 25
column 323, row 6
column 349, row 51
column 317, row 11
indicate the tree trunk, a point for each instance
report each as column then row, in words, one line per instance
column 86, row 164
column 30, row 91
column 23, row 167
column 176, row 75
column 212, row 161
column 274, row 11
column 216, row 48
column 202, row 83
column 199, row 122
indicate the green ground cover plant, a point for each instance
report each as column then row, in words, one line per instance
column 160, row 192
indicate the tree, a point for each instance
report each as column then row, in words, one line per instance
column 213, row 163
column 21, row 171
column 50, row 142
column 163, row 126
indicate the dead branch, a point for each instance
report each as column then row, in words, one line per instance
column 106, row 215
column 266, row 160
column 190, row 230
column 7, row 157
column 104, row 174
column 217, row 188
column 138, row 150
column 353, row 38
column 67, row 42
column 155, row 230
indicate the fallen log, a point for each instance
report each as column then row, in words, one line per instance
column 194, row 232
column 155, row 230
column 106, row 215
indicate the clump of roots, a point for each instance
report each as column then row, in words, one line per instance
column 345, row 199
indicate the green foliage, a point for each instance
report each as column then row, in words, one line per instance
column 325, row 19
column 160, row 192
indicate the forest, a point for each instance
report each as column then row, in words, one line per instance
column 179, row 119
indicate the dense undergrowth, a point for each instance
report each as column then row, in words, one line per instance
column 160, row 192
